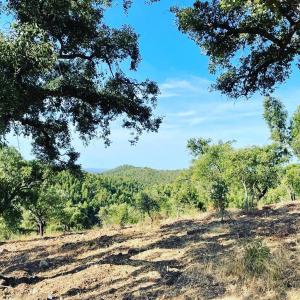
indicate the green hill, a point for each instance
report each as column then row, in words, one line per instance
column 146, row 176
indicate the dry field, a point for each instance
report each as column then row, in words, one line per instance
column 195, row 258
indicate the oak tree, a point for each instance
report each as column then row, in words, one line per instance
column 251, row 44
column 62, row 68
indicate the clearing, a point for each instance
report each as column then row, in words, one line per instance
column 182, row 259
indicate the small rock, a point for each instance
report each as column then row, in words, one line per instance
column 50, row 297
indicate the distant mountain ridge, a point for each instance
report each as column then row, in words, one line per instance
column 147, row 176
column 95, row 170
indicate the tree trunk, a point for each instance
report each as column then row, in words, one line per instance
column 222, row 215
column 252, row 201
column 41, row 227
column 262, row 193
column 246, row 204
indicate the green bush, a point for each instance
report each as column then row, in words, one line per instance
column 166, row 208
column 276, row 195
column 5, row 232
column 118, row 214
column 8, row 232
column 236, row 197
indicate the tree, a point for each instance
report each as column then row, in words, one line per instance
column 85, row 195
column 287, row 136
column 256, row 169
column 252, row 43
column 78, row 194
column 68, row 189
column 43, row 201
column 210, row 171
column 61, row 68
column 198, row 146
column 17, row 178
column 276, row 115
column 292, row 180
column 146, row 204
column 295, row 132
column 219, row 196
column 184, row 194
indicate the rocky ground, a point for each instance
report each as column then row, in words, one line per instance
column 182, row 259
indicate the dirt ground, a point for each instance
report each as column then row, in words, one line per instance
column 145, row 262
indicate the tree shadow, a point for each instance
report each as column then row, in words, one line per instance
column 198, row 241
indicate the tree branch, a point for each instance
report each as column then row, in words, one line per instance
column 249, row 30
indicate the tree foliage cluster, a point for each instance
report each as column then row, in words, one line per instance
column 251, row 44
column 36, row 196
column 244, row 177
column 146, row 176
column 63, row 68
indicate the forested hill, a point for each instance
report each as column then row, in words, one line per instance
column 146, row 176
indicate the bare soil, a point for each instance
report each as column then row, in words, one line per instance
column 175, row 260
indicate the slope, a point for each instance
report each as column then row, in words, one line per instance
column 184, row 259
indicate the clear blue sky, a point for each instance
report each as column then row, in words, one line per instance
column 189, row 109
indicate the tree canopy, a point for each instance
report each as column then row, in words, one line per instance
column 256, row 169
column 63, row 68
column 17, row 179
column 276, row 116
column 251, row 43
column 285, row 131
column 146, row 176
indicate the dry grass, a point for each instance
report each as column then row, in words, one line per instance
column 269, row 276
column 191, row 258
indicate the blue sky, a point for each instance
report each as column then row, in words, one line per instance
column 188, row 107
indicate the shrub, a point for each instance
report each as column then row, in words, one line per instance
column 118, row 214
column 5, row 232
column 256, row 258
column 276, row 195
column 260, row 271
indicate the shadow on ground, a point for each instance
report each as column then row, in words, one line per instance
column 135, row 263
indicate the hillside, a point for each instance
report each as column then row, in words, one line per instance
column 95, row 170
column 196, row 258
column 146, row 176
